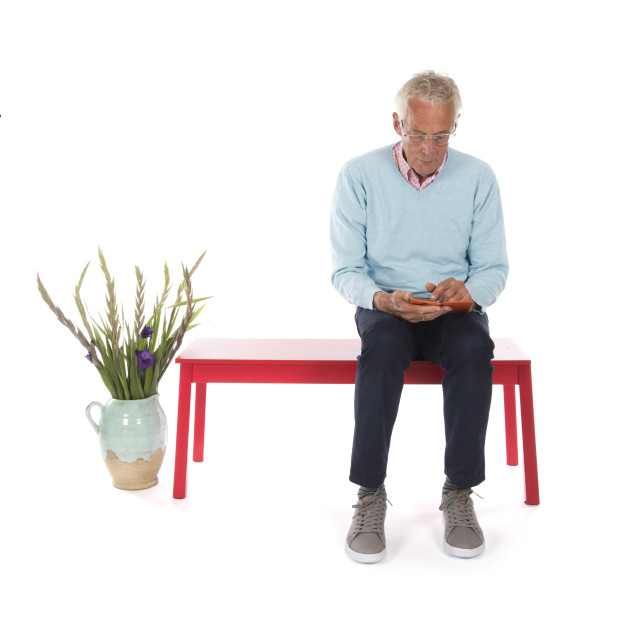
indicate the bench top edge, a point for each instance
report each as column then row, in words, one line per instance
column 309, row 351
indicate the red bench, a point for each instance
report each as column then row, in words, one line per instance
column 332, row 362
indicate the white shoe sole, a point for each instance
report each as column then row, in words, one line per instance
column 457, row 552
column 365, row 558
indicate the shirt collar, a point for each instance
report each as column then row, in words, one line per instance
column 409, row 174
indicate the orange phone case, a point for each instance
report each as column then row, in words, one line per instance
column 458, row 307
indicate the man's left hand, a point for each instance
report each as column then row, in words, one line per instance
column 449, row 290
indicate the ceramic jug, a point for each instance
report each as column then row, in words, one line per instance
column 133, row 439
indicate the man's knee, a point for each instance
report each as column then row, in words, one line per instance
column 476, row 343
column 385, row 339
column 470, row 340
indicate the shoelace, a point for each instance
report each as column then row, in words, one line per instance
column 460, row 508
column 370, row 514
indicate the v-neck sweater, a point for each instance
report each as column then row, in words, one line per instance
column 386, row 235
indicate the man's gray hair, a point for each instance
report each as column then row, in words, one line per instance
column 428, row 86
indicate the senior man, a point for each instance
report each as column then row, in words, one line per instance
column 417, row 219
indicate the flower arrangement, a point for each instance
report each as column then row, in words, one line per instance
column 132, row 368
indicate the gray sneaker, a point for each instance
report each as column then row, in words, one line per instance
column 365, row 540
column 463, row 537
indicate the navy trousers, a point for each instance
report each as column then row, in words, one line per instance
column 459, row 344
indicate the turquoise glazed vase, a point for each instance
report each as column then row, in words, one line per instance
column 133, row 439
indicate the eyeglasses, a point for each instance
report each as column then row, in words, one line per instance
column 441, row 139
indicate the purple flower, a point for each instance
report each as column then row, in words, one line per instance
column 145, row 359
column 146, row 332
column 89, row 358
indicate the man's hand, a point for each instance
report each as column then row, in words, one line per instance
column 397, row 304
column 448, row 290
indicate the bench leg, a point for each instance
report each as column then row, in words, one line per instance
column 198, row 427
column 510, row 424
column 530, row 459
column 182, row 432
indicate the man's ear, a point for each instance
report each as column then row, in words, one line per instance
column 396, row 124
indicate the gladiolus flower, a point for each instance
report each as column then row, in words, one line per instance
column 145, row 359
column 89, row 358
column 146, row 333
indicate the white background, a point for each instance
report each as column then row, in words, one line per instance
column 158, row 130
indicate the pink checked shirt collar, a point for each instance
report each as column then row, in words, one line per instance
column 409, row 174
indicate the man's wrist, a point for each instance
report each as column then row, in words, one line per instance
column 378, row 296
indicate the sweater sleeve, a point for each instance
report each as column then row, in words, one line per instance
column 348, row 233
column 487, row 252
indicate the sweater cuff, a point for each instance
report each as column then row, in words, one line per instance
column 367, row 297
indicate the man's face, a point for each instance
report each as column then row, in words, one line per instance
column 425, row 118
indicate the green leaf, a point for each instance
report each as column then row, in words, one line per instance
column 181, row 304
column 196, row 313
column 107, row 383
column 148, row 381
column 137, row 392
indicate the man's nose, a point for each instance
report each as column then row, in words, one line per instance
column 428, row 146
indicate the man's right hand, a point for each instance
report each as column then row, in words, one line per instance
column 397, row 304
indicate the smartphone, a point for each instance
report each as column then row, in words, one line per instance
column 457, row 307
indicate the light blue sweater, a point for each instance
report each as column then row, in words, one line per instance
column 386, row 235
